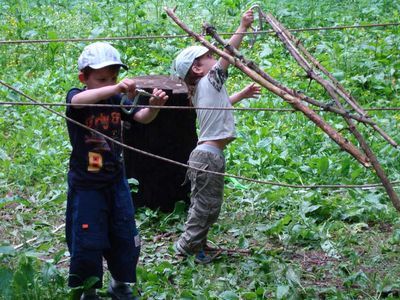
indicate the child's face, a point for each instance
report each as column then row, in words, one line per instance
column 205, row 63
column 101, row 77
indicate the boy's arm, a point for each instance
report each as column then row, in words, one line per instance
column 146, row 115
column 250, row 91
column 237, row 38
column 92, row 96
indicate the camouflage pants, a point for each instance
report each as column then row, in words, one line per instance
column 206, row 196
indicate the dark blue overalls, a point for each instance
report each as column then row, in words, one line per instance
column 100, row 223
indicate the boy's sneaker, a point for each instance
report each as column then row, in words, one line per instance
column 122, row 292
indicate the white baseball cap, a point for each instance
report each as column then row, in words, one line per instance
column 99, row 55
column 185, row 59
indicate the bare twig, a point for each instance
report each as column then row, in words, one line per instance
column 209, row 248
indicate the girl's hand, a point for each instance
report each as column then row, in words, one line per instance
column 251, row 91
column 247, row 19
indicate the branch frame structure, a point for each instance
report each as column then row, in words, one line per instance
column 366, row 157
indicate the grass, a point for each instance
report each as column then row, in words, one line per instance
column 304, row 244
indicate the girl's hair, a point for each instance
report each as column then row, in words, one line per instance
column 191, row 80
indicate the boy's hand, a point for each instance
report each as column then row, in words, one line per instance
column 128, row 87
column 160, row 97
column 247, row 19
column 251, row 91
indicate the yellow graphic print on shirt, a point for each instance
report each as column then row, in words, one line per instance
column 95, row 162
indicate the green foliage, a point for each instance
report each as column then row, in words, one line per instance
column 30, row 279
column 305, row 244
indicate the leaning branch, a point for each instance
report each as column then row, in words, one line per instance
column 333, row 92
column 292, row 100
column 334, row 87
column 210, row 30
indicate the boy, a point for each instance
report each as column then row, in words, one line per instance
column 205, row 77
column 100, row 214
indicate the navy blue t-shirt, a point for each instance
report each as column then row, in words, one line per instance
column 95, row 161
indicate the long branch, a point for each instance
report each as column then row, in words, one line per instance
column 292, row 43
column 211, row 31
column 333, row 93
column 294, row 101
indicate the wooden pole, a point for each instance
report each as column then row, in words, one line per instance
column 333, row 92
column 334, row 87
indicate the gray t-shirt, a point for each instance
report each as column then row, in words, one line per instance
column 211, row 92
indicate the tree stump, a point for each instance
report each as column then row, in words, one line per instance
column 172, row 135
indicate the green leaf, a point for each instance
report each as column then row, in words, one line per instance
column 49, row 271
column 96, row 32
column 133, row 184
column 229, row 295
column 249, row 296
column 338, row 75
column 8, row 250
column 323, row 165
column 24, row 276
column 90, row 282
column 13, row 199
column 306, row 207
column 277, row 227
column 6, row 276
column 52, row 35
column 330, row 249
column 133, row 181
column 282, row 291
column 345, row 167
column 237, row 184
column 292, row 277
column 266, row 51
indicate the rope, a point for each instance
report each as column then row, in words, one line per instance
column 174, row 36
column 267, row 182
column 11, row 103
column 144, row 106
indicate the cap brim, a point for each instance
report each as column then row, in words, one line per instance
column 202, row 52
column 108, row 63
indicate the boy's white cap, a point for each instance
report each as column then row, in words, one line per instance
column 99, row 55
column 185, row 59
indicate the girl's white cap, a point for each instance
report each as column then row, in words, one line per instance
column 185, row 59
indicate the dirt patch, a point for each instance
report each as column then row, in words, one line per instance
column 317, row 268
column 313, row 258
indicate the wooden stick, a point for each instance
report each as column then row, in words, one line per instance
column 211, row 31
column 294, row 101
column 291, row 42
column 227, row 250
column 333, row 93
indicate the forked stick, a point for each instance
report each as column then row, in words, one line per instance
column 335, row 93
